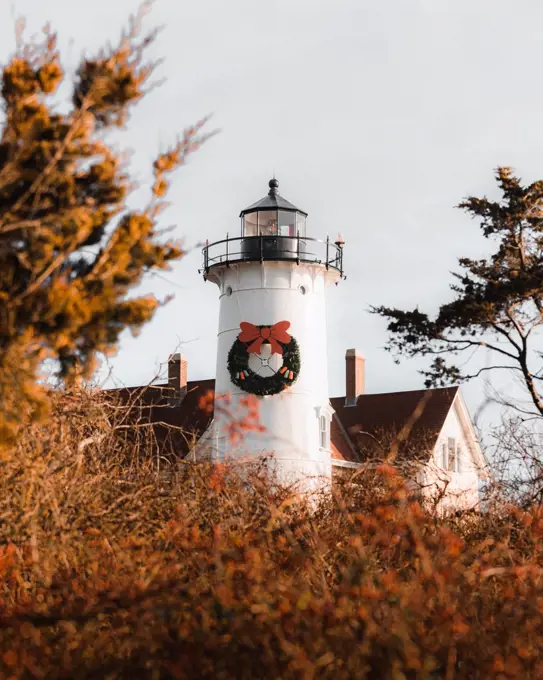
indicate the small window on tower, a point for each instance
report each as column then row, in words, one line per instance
column 323, row 431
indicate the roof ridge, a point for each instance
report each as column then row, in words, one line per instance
column 425, row 389
column 155, row 384
column 340, row 396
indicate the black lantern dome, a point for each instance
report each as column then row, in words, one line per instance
column 273, row 215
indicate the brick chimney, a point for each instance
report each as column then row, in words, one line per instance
column 177, row 378
column 354, row 376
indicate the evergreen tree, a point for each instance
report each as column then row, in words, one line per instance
column 70, row 249
column 498, row 302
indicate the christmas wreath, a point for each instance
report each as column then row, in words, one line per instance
column 251, row 341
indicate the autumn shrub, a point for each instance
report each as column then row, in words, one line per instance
column 75, row 242
column 112, row 570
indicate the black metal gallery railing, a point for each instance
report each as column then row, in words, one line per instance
column 279, row 248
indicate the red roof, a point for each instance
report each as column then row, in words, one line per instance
column 175, row 427
column 419, row 414
column 414, row 416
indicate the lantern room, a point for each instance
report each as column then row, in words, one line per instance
column 273, row 230
column 273, row 216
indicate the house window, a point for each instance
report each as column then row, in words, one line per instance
column 323, row 432
column 451, row 455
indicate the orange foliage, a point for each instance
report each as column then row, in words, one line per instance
column 72, row 249
column 112, row 570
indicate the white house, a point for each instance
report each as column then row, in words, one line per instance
column 428, row 433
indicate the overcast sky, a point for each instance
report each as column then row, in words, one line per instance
column 377, row 117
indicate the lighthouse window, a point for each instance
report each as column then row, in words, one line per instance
column 287, row 223
column 267, row 222
column 250, row 225
column 323, row 432
column 300, row 224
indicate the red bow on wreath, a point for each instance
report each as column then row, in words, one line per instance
column 258, row 336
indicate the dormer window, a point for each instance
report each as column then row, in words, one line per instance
column 451, row 455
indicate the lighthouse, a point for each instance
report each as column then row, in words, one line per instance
column 272, row 280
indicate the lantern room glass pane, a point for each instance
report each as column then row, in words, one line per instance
column 287, row 223
column 300, row 224
column 267, row 222
column 250, row 225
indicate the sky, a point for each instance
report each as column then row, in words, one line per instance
column 377, row 117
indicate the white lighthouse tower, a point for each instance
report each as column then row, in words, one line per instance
column 272, row 281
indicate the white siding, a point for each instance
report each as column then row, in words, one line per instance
column 454, row 489
column 265, row 294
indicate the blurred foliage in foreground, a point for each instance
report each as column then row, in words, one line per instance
column 109, row 570
column 70, row 248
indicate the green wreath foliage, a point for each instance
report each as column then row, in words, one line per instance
column 238, row 365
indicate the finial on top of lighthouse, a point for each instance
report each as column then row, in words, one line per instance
column 274, row 185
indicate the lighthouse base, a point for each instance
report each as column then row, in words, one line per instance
column 255, row 451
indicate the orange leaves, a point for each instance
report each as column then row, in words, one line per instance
column 11, row 659
column 452, row 543
column 537, row 525
column 92, row 531
column 206, row 402
column 304, row 600
column 176, row 155
column 108, row 84
column 160, row 187
column 460, row 627
column 7, row 557
column 33, row 70
column 216, row 478
column 325, row 660
column 387, row 470
column 242, row 418
column 198, row 572
column 18, row 80
column 50, row 76
column 68, row 266
column 167, row 162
